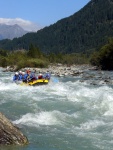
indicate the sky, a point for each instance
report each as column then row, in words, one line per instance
column 33, row 15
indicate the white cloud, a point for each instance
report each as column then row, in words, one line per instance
column 25, row 24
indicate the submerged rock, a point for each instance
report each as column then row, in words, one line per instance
column 9, row 134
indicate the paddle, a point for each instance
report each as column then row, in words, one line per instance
column 55, row 80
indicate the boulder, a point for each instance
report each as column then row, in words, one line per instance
column 10, row 134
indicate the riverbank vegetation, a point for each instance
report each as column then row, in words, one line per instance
column 104, row 57
column 35, row 58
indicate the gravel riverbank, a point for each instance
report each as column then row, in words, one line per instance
column 59, row 69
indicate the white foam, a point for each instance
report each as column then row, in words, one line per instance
column 42, row 118
column 90, row 125
column 46, row 118
column 108, row 105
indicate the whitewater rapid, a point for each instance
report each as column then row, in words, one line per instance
column 66, row 115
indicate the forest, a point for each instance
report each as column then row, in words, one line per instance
column 80, row 38
column 104, row 57
column 83, row 32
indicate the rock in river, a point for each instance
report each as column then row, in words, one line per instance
column 9, row 134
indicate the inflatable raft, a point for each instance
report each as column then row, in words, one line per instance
column 36, row 82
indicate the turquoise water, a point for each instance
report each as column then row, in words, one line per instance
column 72, row 114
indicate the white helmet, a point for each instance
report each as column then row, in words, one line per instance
column 23, row 73
column 20, row 71
column 16, row 73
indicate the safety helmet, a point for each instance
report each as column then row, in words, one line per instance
column 16, row 73
column 20, row 71
column 28, row 71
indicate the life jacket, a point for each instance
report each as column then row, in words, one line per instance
column 32, row 76
column 15, row 77
column 40, row 77
column 20, row 77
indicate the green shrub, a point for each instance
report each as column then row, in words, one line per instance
column 104, row 58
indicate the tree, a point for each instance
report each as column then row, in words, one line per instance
column 104, row 58
column 34, row 52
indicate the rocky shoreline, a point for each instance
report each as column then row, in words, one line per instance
column 58, row 69
column 10, row 134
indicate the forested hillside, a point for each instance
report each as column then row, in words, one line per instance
column 84, row 31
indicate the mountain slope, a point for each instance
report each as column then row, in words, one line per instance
column 11, row 31
column 84, row 31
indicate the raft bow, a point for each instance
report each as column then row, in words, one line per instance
column 36, row 82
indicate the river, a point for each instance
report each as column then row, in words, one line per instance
column 74, row 113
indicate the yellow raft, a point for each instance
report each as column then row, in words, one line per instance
column 36, row 82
